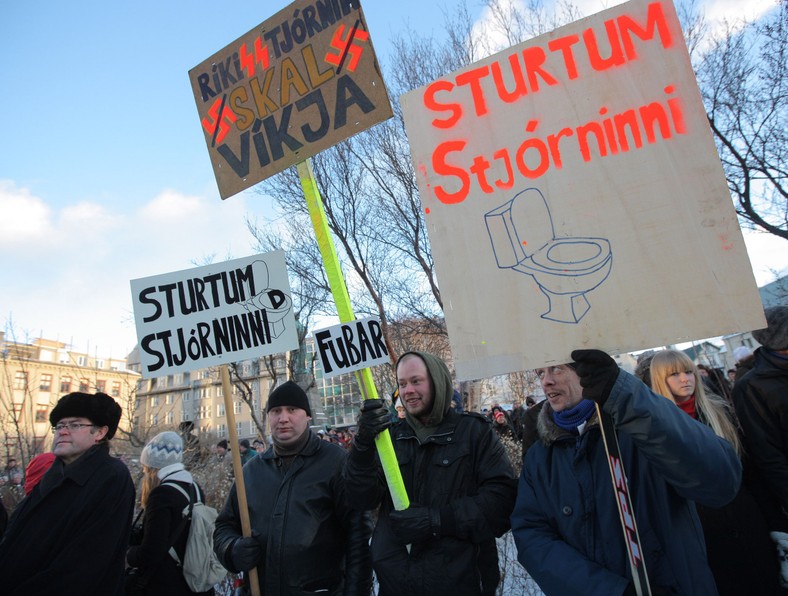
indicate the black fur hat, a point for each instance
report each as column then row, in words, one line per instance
column 289, row 394
column 100, row 409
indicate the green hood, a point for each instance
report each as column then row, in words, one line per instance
column 443, row 391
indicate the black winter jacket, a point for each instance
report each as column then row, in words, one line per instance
column 163, row 520
column 761, row 401
column 69, row 536
column 311, row 539
column 461, row 469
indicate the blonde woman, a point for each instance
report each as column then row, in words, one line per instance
column 163, row 525
column 740, row 552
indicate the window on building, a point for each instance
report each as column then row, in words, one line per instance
column 84, row 385
column 221, row 430
column 65, row 384
column 82, row 360
column 252, row 428
column 168, row 399
column 46, row 383
column 237, row 407
column 170, row 417
column 154, row 401
column 154, row 419
column 220, row 409
column 101, row 386
column 20, row 380
column 42, row 414
column 239, row 428
column 115, row 389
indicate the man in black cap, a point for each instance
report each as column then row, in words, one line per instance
column 70, row 535
column 245, row 451
column 305, row 538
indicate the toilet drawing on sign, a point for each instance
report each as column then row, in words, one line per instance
column 566, row 269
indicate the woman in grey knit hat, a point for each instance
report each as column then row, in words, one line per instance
column 156, row 571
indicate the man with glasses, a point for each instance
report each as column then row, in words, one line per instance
column 70, row 535
column 566, row 523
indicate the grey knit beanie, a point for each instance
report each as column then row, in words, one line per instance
column 163, row 450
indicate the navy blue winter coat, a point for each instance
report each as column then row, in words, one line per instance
column 565, row 521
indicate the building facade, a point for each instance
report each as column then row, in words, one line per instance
column 34, row 375
column 164, row 403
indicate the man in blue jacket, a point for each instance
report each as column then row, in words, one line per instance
column 565, row 521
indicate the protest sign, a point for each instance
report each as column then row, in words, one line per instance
column 574, row 197
column 213, row 315
column 351, row 346
column 300, row 82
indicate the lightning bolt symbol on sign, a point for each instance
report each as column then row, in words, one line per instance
column 260, row 55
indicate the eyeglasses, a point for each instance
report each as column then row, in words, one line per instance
column 71, row 426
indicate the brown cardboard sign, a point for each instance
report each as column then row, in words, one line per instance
column 300, row 82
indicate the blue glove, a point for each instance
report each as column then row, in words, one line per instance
column 598, row 373
column 246, row 552
column 415, row 524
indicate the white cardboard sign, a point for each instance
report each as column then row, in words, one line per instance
column 351, row 346
column 212, row 315
column 574, row 197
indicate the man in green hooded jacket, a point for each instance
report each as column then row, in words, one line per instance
column 459, row 480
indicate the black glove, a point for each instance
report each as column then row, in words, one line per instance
column 246, row 552
column 415, row 524
column 373, row 420
column 598, row 373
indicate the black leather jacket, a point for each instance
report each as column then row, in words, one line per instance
column 463, row 471
column 312, row 540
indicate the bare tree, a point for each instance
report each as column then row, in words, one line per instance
column 743, row 81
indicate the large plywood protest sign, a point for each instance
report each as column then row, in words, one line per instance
column 574, row 197
column 300, row 82
column 214, row 315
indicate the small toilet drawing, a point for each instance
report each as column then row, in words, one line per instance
column 523, row 238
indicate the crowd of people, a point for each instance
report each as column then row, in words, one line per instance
column 702, row 460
